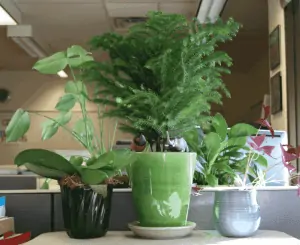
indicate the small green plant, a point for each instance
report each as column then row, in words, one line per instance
column 163, row 75
column 103, row 163
column 223, row 153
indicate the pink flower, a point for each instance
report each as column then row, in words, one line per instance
column 288, row 156
column 257, row 142
column 264, row 122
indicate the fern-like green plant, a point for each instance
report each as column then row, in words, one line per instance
column 163, row 74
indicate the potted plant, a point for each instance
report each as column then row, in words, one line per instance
column 86, row 183
column 161, row 79
column 222, row 152
column 236, row 210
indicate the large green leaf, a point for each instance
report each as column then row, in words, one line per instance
column 262, row 161
column 242, row 129
column 192, row 138
column 77, row 88
column 78, row 61
column 103, row 160
column 52, row 64
column 220, row 125
column 93, row 176
column 223, row 166
column 123, row 157
column 211, row 180
column 237, row 141
column 66, row 103
column 116, row 160
column 213, row 146
column 78, row 56
column 45, row 160
column 45, row 172
column 64, row 118
column 49, row 128
column 76, row 160
column 76, row 50
column 18, row 125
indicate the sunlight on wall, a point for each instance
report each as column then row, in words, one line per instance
column 276, row 17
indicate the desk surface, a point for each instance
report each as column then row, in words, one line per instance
column 197, row 238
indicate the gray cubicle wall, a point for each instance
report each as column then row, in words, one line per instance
column 41, row 213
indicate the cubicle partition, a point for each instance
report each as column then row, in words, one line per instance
column 40, row 211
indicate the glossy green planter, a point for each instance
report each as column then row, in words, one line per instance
column 161, row 187
column 86, row 213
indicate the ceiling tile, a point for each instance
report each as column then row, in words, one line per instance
column 56, row 37
column 63, row 14
column 189, row 9
column 129, row 9
column 57, row 1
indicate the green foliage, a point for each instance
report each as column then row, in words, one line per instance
column 102, row 164
column 51, row 165
column 18, row 125
column 163, row 75
column 221, row 152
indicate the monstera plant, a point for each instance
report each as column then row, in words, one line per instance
column 86, row 183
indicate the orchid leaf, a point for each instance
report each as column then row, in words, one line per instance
column 45, row 163
column 93, row 176
column 76, row 161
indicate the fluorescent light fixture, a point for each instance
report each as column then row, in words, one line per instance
column 62, row 74
column 22, row 36
column 5, row 18
column 29, row 46
column 210, row 10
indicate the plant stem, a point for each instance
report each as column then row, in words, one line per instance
column 84, row 115
column 101, row 122
column 249, row 161
column 64, row 127
column 114, row 134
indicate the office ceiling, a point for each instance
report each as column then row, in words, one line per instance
column 60, row 23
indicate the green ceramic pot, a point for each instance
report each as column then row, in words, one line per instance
column 161, row 187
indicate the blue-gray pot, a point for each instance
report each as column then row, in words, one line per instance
column 236, row 213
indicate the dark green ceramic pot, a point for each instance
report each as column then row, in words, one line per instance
column 161, row 187
column 86, row 212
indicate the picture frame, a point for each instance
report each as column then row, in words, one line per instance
column 274, row 48
column 276, row 93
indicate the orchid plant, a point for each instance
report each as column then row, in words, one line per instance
column 256, row 148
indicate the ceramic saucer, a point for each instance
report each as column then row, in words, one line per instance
column 161, row 232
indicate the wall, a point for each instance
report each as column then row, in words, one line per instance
column 276, row 17
column 247, row 91
column 38, row 93
column 249, row 78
